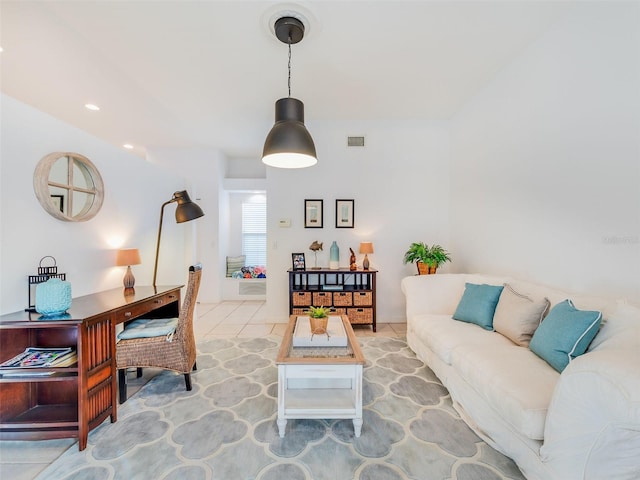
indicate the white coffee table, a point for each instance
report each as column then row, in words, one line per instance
column 320, row 382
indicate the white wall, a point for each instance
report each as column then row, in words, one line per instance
column 85, row 251
column 400, row 185
column 545, row 174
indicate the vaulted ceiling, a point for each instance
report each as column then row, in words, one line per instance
column 207, row 73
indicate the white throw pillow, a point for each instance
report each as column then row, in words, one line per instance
column 517, row 316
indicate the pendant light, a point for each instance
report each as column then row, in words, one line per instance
column 289, row 143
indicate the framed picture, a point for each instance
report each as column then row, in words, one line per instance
column 344, row 213
column 313, row 214
column 58, row 201
column 298, row 261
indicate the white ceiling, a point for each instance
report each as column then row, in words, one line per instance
column 207, row 73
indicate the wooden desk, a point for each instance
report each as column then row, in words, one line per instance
column 73, row 400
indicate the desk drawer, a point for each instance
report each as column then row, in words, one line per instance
column 139, row 309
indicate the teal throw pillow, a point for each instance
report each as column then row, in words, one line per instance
column 478, row 304
column 564, row 334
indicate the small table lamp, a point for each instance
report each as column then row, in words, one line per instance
column 366, row 247
column 125, row 258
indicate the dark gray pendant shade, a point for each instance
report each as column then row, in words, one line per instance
column 289, row 143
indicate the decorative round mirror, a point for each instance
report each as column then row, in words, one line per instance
column 68, row 186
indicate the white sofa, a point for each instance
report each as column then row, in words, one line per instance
column 583, row 423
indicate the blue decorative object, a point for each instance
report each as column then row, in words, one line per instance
column 334, row 256
column 53, row 297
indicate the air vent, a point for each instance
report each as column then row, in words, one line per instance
column 355, row 141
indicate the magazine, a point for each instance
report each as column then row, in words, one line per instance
column 40, row 357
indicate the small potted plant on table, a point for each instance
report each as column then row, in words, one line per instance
column 318, row 318
column 427, row 258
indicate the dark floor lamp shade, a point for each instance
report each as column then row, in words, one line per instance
column 185, row 211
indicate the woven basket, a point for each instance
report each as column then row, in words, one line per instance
column 301, row 298
column 424, row 269
column 362, row 299
column 321, row 299
column 318, row 325
column 360, row 315
column 342, row 299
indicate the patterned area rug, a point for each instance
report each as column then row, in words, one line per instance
column 225, row 428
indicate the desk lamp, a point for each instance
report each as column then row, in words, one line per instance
column 125, row 258
column 366, row 247
column 185, row 212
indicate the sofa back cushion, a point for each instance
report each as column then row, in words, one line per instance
column 517, row 315
column 478, row 304
column 565, row 333
column 621, row 329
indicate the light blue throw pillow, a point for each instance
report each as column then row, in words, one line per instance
column 142, row 328
column 564, row 334
column 478, row 304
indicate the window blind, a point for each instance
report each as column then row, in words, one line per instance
column 254, row 233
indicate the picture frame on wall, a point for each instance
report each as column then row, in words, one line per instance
column 313, row 214
column 344, row 213
column 297, row 261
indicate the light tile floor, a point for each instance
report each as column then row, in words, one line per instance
column 24, row 460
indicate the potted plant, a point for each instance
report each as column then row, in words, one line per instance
column 318, row 318
column 427, row 258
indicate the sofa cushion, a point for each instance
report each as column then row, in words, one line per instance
column 564, row 334
column 517, row 316
column 515, row 382
column 478, row 304
column 620, row 330
column 442, row 335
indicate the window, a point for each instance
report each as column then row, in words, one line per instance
column 254, row 233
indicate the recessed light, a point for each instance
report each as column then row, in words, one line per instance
column 1, row 49
column 91, row 106
column 128, row 146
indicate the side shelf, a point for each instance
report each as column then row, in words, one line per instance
column 346, row 292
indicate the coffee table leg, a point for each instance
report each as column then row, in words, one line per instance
column 282, row 424
column 357, row 426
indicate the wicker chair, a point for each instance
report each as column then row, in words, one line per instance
column 174, row 351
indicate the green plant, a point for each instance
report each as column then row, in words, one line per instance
column 318, row 312
column 433, row 256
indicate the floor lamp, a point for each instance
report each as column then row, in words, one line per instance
column 185, row 211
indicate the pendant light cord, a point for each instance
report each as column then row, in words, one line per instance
column 289, row 65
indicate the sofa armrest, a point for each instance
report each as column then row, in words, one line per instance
column 592, row 428
column 438, row 294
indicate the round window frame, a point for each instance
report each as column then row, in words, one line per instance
column 41, row 186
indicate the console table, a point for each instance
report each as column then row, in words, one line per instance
column 70, row 401
column 346, row 292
